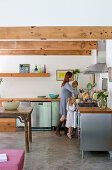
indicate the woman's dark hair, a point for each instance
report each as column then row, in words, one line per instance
column 66, row 78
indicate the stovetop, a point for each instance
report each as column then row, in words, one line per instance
column 88, row 105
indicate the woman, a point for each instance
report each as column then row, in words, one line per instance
column 66, row 91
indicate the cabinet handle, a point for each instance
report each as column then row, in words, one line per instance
column 40, row 104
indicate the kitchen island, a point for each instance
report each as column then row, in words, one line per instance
column 96, row 129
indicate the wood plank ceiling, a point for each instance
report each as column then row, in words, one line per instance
column 47, row 47
column 56, row 32
column 59, row 40
column 45, row 52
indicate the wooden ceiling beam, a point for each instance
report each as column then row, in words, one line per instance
column 56, row 32
column 45, row 52
column 48, row 45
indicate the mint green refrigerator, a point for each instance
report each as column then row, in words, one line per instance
column 55, row 107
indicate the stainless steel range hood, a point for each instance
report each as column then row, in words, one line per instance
column 100, row 66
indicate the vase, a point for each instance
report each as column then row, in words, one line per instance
column 102, row 104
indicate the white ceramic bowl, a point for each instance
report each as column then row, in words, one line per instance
column 77, row 101
column 11, row 105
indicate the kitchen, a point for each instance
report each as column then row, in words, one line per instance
column 48, row 117
column 47, row 151
column 53, row 63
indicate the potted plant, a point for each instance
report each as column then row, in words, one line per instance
column 89, row 89
column 101, row 97
column 76, row 73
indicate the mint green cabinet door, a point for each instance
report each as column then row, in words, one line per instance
column 55, row 112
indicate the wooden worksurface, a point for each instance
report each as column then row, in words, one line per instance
column 94, row 110
column 30, row 99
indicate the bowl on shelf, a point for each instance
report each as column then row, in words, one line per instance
column 10, row 105
column 53, row 96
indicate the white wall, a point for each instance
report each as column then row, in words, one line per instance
column 109, row 64
column 55, row 12
column 32, row 87
column 98, row 79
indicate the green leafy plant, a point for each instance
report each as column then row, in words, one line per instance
column 103, row 95
column 89, row 87
column 76, row 73
column 102, row 98
column 100, row 94
column 1, row 80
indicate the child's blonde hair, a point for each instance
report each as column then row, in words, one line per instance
column 74, row 83
column 70, row 100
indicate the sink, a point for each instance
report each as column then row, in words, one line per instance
column 88, row 105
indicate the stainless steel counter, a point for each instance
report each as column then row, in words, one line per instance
column 96, row 132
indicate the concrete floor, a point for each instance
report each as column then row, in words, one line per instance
column 49, row 152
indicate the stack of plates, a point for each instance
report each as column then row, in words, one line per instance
column 41, row 97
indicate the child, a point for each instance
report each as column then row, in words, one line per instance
column 74, row 86
column 71, row 107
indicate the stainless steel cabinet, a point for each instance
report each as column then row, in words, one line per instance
column 96, row 132
column 44, row 115
column 41, row 115
column 34, row 115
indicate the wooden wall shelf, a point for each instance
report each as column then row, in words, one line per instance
column 24, row 74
